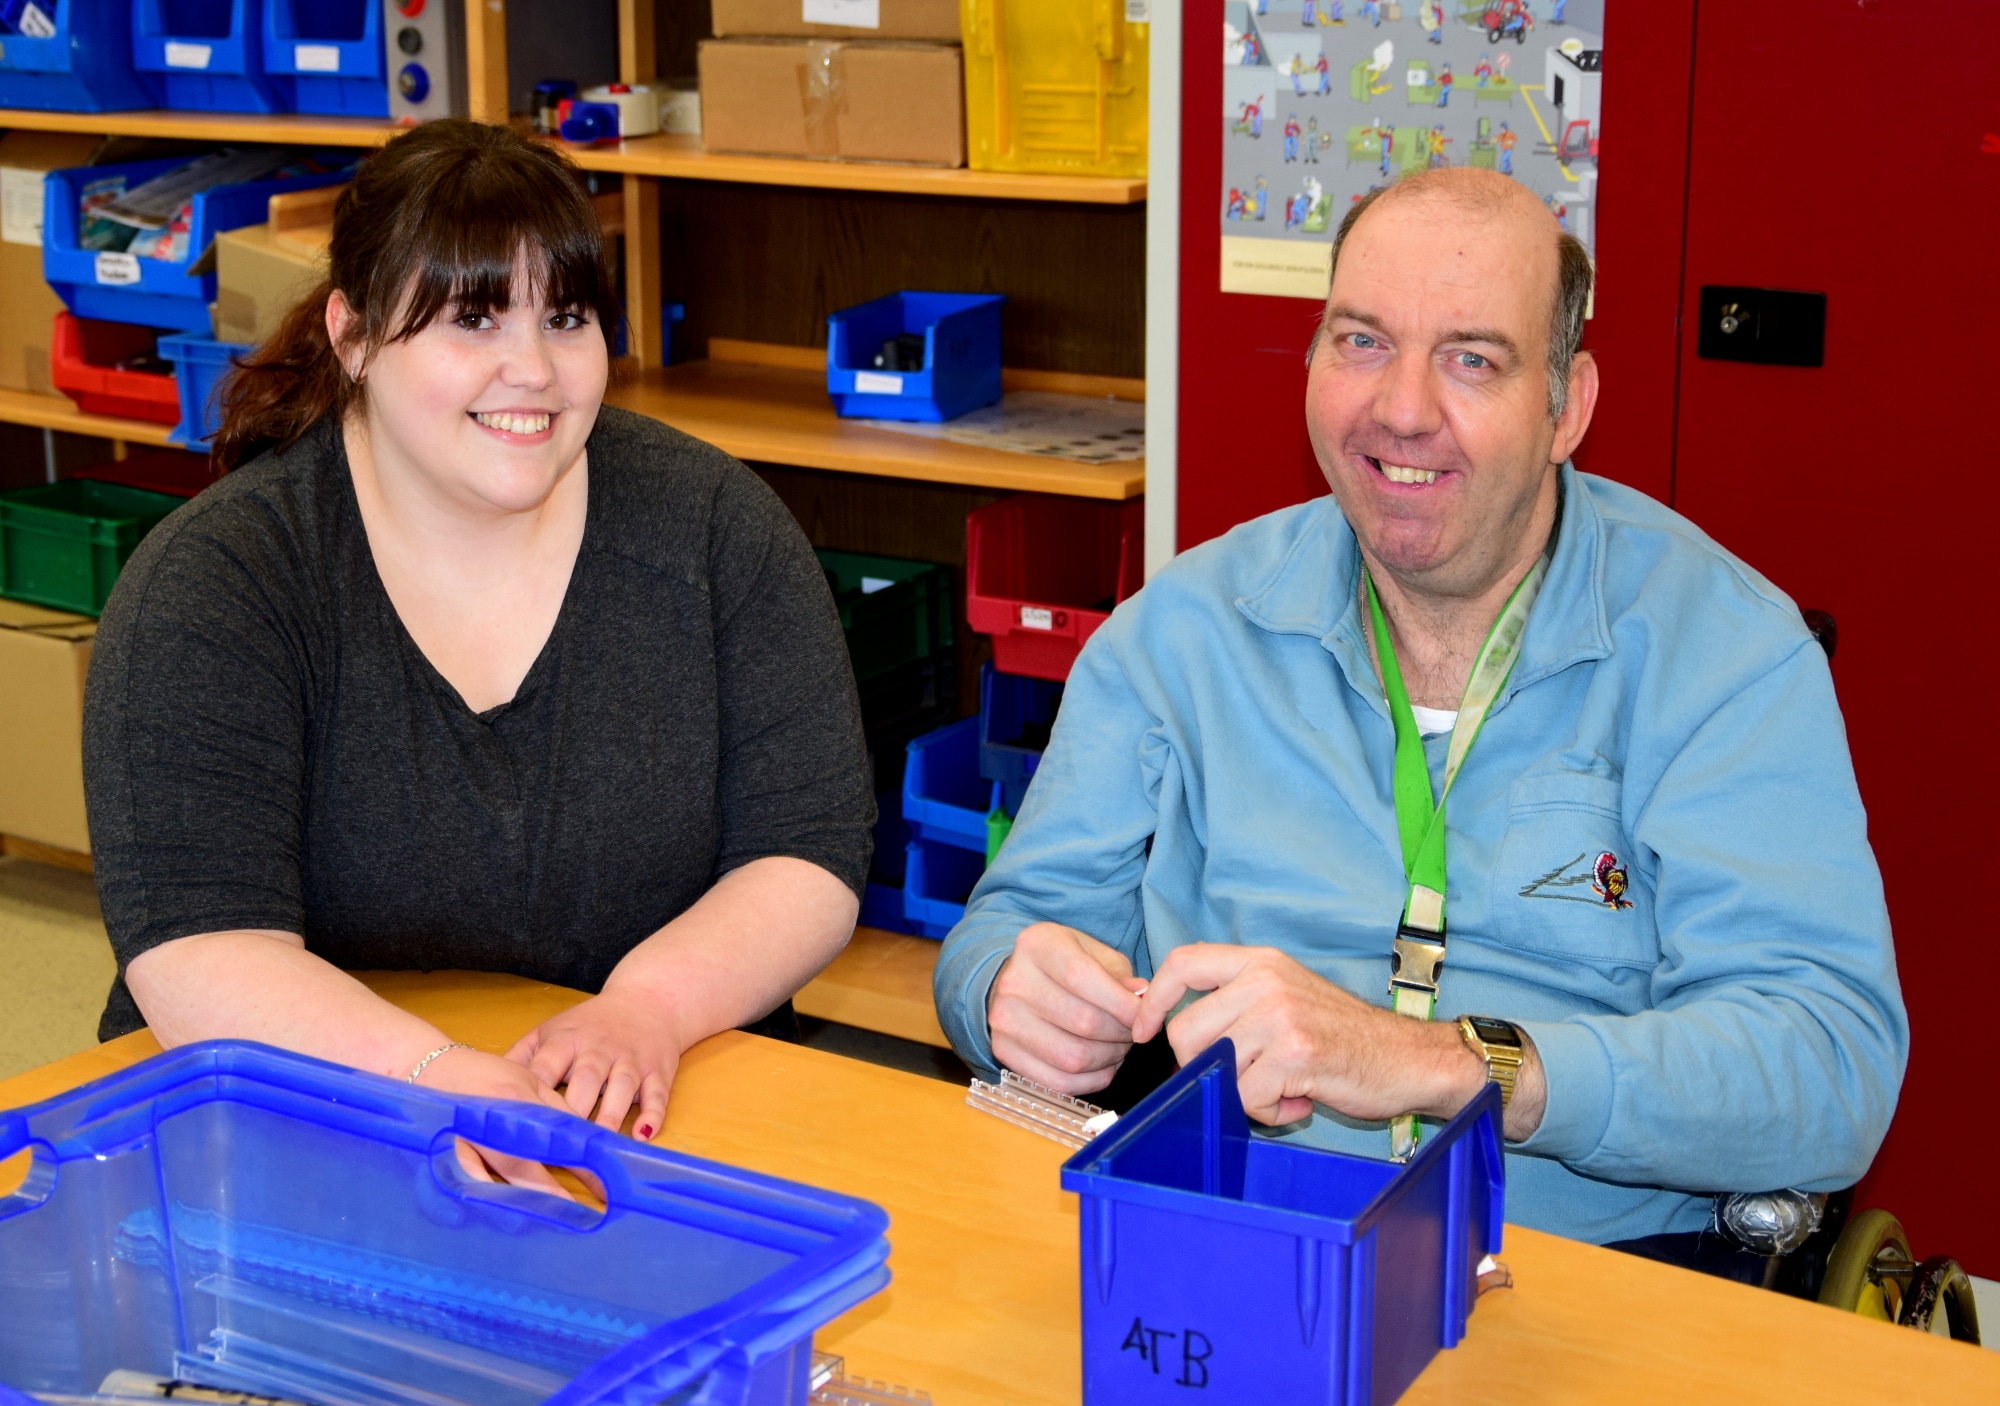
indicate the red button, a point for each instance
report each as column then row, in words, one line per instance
column 410, row 8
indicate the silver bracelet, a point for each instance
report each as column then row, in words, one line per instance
column 425, row 1062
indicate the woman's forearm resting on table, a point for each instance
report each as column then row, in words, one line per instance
column 759, row 934
column 265, row 986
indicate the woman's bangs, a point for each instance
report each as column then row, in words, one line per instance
column 467, row 254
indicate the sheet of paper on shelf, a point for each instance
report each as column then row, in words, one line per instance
column 1083, row 429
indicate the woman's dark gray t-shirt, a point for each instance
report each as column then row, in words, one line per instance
column 265, row 746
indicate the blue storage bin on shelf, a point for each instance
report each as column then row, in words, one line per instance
column 882, row 899
column 205, row 56
column 945, row 799
column 247, row 1218
column 200, row 363
column 1015, row 716
column 155, row 292
column 937, row 879
column 961, row 360
column 85, row 65
column 1264, row 1271
column 331, row 51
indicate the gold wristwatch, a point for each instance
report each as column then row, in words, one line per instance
column 1500, row 1045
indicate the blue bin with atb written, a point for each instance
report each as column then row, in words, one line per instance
column 205, row 56
column 199, row 363
column 332, row 52
column 253, row 1220
column 162, row 293
column 1257, row 1270
column 69, row 56
column 954, row 339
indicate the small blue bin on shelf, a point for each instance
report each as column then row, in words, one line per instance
column 882, row 899
column 937, row 879
column 961, row 356
column 205, row 56
column 251, row 1219
column 331, row 52
column 200, row 363
column 154, row 292
column 945, row 799
column 69, row 56
column 1015, row 716
column 1260, row 1271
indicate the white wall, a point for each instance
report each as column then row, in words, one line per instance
column 1163, row 263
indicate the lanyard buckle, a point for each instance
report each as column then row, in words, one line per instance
column 1415, row 960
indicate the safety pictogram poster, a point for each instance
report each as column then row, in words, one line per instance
column 1324, row 100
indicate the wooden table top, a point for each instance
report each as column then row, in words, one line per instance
column 984, row 1304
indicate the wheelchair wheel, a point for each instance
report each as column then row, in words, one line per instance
column 1862, row 1273
column 1938, row 1283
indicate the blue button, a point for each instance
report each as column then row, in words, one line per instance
column 413, row 83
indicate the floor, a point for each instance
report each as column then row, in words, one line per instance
column 55, row 965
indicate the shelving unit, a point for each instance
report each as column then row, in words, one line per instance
column 760, row 249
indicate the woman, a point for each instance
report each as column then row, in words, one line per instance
column 460, row 669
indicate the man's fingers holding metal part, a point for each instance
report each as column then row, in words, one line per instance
column 1061, row 1008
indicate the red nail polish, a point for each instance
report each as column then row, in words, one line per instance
column 645, row 1132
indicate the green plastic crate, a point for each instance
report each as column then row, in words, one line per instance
column 63, row 545
column 894, row 612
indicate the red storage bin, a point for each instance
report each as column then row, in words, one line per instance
column 1042, row 573
column 83, row 363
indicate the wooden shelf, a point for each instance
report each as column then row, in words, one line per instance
column 55, row 412
column 881, row 981
column 682, row 158
column 672, row 156
column 781, row 415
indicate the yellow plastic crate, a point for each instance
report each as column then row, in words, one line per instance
column 1055, row 86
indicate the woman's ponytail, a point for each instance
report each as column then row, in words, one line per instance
column 283, row 387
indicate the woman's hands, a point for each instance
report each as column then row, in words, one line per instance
column 610, row 1050
column 470, row 1071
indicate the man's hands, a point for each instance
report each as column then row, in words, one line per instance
column 1302, row 1040
column 1060, row 1011
column 610, row 1050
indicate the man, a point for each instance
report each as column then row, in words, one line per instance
column 1652, row 877
column 1506, row 141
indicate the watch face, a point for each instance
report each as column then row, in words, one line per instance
column 1494, row 1032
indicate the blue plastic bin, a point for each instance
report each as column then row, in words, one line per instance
column 937, row 879
column 155, row 292
column 236, row 1215
column 945, row 799
column 85, row 66
column 205, row 56
column 1015, row 715
column 1259, row 1271
column 882, row 899
column 331, row 52
column 961, row 333
column 200, row 363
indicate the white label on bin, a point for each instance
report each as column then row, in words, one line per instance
column 117, row 268
column 188, row 55
column 316, row 58
column 1138, row 11
column 20, row 205
column 855, row 14
column 875, row 383
column 871, row 584
column 35, row 22
column 1035, row 617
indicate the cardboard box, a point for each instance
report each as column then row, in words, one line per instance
column 28, row 306
column 862, row 101
column 259, row 277
column 839, row 19
column 44, row 655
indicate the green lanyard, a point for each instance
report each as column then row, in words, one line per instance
column 1418, row 955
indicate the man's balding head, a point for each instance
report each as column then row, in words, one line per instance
column 1485, row 196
